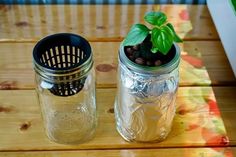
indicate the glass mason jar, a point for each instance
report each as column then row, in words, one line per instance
column 145, row 103
column 65, row 86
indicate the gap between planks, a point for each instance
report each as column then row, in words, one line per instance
column 118, row 39
column 113, row 149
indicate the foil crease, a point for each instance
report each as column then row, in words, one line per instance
column 145, row 104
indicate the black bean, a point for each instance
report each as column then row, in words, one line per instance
column 140, row 61
column 129, row 51
column 157, row 63
column 136, row 47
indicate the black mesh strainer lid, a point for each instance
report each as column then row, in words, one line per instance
column 63, row 59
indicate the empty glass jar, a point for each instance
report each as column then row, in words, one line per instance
column 145, row 103
column 65, row 85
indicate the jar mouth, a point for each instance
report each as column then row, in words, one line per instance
column 62, row 54
column 162, row 69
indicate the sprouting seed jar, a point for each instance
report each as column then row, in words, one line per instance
column 145, row 103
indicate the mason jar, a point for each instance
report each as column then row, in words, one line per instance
column 65, row 86
column 145, row 103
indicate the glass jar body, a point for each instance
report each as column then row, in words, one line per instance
column 68, row 119
column 145, row 103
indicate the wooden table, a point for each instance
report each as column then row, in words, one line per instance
column 206, row 94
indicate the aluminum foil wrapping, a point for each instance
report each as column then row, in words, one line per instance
column 145, row 104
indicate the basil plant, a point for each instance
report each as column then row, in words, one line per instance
column 162, row 33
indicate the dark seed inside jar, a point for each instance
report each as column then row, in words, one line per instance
column 136, row 47
column 140, row 61
column 129, row 51
column 157, row 62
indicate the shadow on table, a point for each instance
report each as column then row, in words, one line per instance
column 204, row 57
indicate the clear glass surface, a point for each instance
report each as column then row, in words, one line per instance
column 68, row 119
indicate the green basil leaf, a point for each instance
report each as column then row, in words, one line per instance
column 162, row 40
column 176, row 38
column 155, row 18
column 165, row 42
column 233, row 2
column 136, row 35
column 168, row 32
column 154, row 50
column 154, row 35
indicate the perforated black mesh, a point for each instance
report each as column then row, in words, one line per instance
column 59, row 53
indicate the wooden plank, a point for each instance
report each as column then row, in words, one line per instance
column 98, row 22
column 177, row 152
column 209, row 56
column 226, row 101
column 203, row 63
column 197, row 121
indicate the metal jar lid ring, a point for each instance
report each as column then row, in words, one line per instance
column 63, row 59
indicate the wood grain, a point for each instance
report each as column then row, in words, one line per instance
column 198, row 129
column 194, row 124
column 99, row 22
column 177, row 152
column 16, row 70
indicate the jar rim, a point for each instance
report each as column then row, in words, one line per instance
column 162, row 69
column 52, row 73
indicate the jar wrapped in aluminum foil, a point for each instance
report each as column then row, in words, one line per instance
column 145, row 103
